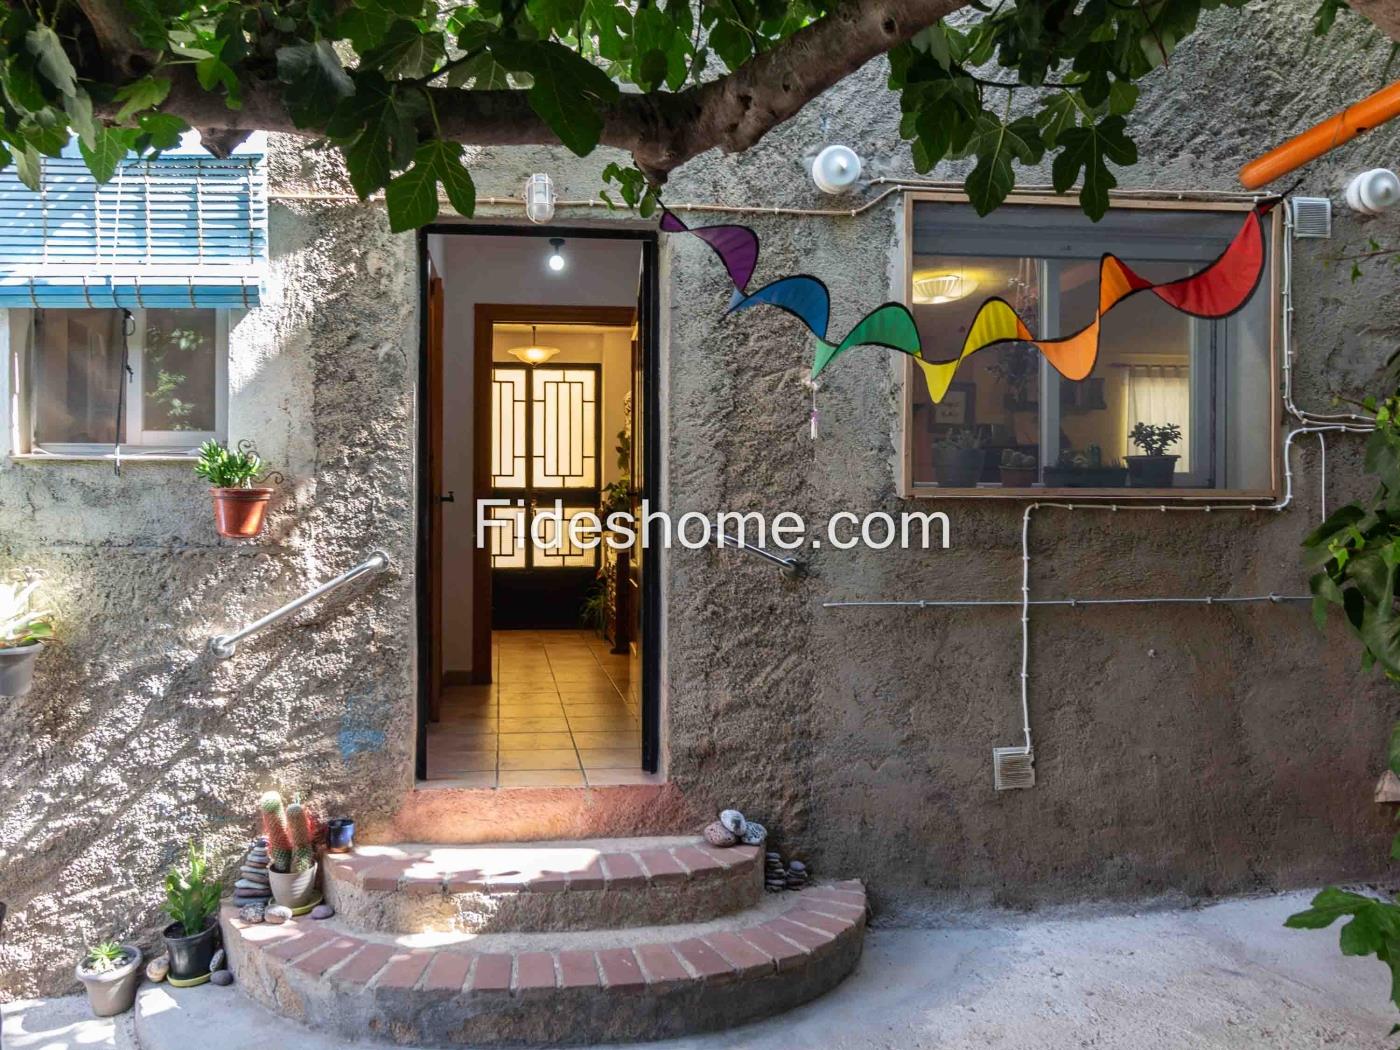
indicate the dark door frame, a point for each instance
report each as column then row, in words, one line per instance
column 650, row 416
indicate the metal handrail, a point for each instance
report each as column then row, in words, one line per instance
column 790, row 566
column 224, row 645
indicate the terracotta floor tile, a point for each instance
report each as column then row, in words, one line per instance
column 532, row 707
column 462, row 780
column 605, row 724
column 579, row 697
column 444, row 760
column 556, row 758
column 536, row 724
column 599, row 710
column 536, row 741
column 541, row 778
column 611, row 758
column 608, row 739
column 607, row 777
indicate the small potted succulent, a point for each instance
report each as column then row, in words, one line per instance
column 192, row 902
column 240, row 507
column 1154, row 469
column 1018, row 469
column 23, row 631
column 291, row 836
column 1085, row 470
column 110, row 972
column 958, row 457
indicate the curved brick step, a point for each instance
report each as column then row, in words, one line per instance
column 553, row 988
column 538, row 887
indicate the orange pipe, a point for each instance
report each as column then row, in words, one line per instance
column 1354, row 120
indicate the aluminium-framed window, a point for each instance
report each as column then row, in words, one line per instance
column 74, row 400
column 1215, row 379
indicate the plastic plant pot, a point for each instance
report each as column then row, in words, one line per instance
column 190, row 956
column 1151, row 472
column 17, row 668
column 114, row 991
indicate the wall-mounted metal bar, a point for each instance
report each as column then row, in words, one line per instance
column 937, row 603
column 790, row 566
column 224, row 645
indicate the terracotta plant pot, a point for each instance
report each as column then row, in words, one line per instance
column 17, row 668
column 1151, row 472
column 1019, row 477
column 293, row 890
column 190, row 956
column 113, row 992
column 239, row 513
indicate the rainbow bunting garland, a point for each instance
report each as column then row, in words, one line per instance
column 1219, row 290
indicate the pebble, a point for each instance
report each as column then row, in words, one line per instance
column 734, row 821
column 249, row 884
column 322, row 911
column 218, row 960
column 717, row 834
column 156, row 969
column 221, row 977
column 277, row 913
column 754, row 833
column 251, row 913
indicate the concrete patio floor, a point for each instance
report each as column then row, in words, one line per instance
column 1225, row 976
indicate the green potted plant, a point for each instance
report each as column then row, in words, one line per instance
column 1018, row 469
column 958, row 457
column 22, row 634
column 240, row 507
column 110, row 973
column 291, row 851
column 192, row 903
column 1154, row 469
column 1085, row 470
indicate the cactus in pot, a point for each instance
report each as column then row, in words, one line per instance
column 291, row 835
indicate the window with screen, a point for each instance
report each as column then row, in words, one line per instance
column 1198, row 395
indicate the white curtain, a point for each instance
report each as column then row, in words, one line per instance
column 1159, row 394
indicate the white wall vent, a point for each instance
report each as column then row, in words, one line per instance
column 1312, row 216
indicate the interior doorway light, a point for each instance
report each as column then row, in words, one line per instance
column 534, row 354
column 556, row 257
column 933, row 288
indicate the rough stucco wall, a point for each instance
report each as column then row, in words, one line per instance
column 134, row 739
column 1190, row 751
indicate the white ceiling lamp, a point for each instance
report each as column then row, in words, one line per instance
column 534, row 354
column 539, row 198
column 556, row 261
column 930, row 289
column 836, row 169
column 1373, row 191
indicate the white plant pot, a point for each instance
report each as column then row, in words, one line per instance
column 293, row 890
column 17, row 668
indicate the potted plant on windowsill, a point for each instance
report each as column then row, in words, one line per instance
column 22, row 635
column 958, row 457
column 1154, row 469
column 192, row 902
column 110, row 973
column 1018, row 469
column 240, row 507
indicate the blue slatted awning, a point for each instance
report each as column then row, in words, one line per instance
column 176, row 231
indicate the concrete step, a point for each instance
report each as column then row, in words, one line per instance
column 541, row 886
column 554, row 988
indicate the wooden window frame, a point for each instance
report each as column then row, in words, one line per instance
column 904, row 467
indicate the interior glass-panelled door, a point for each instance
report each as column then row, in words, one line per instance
column 545, row 435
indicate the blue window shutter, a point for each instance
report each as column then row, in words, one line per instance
column 177, row 231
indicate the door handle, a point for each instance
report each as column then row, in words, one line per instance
column 451, row 497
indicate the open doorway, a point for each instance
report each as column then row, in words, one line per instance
column 539, row 395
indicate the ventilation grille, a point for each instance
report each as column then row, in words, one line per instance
column 1312, row 216
column 1013, row 767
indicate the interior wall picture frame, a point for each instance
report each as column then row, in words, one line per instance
column 958, row 407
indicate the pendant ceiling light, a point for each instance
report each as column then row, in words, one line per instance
column 933, row 288
column 534, row 354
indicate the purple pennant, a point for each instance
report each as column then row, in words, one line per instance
column 736, row 246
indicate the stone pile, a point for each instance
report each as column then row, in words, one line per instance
column 774, row 874
column 796, row 875
column 252, row 886
column 732, row 828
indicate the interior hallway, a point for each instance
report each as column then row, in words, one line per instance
column 559, row 713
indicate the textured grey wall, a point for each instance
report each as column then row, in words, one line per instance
column 1180, row 750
